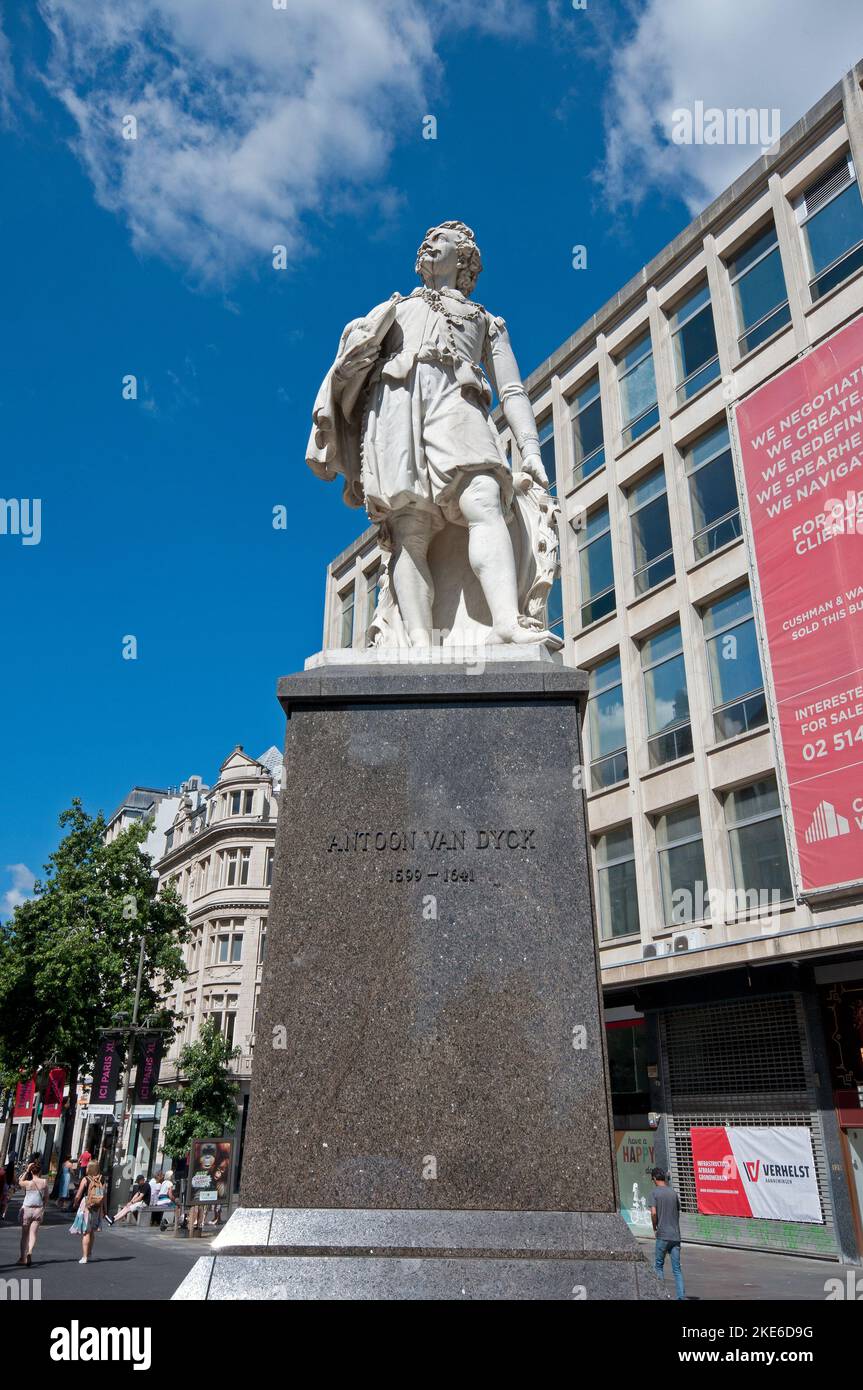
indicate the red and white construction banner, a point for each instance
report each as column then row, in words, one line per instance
column 742, row 1171
column 801, row 459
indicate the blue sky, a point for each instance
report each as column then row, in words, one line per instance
column 154, row 257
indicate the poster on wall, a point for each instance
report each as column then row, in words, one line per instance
column 768, row 1173
column 800, row 467
column 210, row 1171
column 634, row 1154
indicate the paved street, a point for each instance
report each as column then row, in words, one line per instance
column 145, row 1265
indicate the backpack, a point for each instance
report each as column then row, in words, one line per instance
column 95, row 1194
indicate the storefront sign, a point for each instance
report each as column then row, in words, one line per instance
column 25, row 1095
column 769, row 1173
column 800, row 442
column 149, row 1058
column 52, row 1105
column 210, row 1171
column 106, row 1074
column 635, row 1151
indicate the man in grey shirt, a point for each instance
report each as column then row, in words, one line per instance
column 665, row 1215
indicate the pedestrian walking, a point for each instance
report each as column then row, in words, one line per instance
column 665, row 1215
column 84, row 1159
column 139, row 1198
column 33, row 1208
column 90, row 1200
column 64, row 1193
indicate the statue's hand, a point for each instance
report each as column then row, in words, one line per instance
column 532, row 465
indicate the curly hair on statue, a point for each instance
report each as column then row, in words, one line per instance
column 469, row 259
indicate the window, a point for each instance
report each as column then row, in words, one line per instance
column 546, row 448
column 637, row 389
column 169, row 840
column 241, row 803
column 346, row 617
column 830, row 214
column 262, row 942
column 681, row 865
column 595, row 567
column 221, row 1009
column 203, row 875
column 228, row 943
column 606, row 727
column 235, row 867
column 554, row 606
column 696, row 361
column 626, row 1041
column 712, row 492
column 587, row 440
column 268, row 868
column 758, row 286
column 668, row 726
column 653, row 556
column 758, row 856
column 617, row 894
column 735, row 666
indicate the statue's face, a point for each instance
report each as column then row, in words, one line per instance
column 439, row 260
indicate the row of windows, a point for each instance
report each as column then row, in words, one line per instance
column 736, row 681
column 226, row 939
column 830, row 216
column 358, row 602
column 232, row 868
column 753, row 822
column 228, row 804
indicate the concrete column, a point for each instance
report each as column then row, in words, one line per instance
column 722, row 300
column 852, row 104
column 793, row 261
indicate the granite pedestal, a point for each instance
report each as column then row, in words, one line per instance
column 430, row 1108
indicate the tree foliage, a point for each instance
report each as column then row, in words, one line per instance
column 69, row 955
column 206, row 1091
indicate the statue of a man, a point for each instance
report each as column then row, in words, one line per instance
column 404, row 416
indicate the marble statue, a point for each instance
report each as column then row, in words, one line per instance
column 403, row 415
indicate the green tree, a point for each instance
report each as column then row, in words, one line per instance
column 205, row 1090
column 69, row 955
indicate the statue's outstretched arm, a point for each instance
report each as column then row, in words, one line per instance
column 506, row 379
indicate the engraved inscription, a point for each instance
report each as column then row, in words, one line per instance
column 409, row 841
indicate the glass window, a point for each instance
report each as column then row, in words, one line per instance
column 554, row 606
column 712, row 492
column 627, row 1057
column 669, row 729
column 637, row 389
column 222, row 945
column 606, row 727
column 754, row 819
column 268, row 869
column 595, row 567
column 681, row 864
column 617, row 894
column 696, row 361
column 262, row 942
column 372, row 581
column 831, row 217
column 546, row 448
column 651, row 531
column 735, row 665
column 169, row 840
column 758, row 285
column 236, row 949
column 346, row 611
column 587, row 438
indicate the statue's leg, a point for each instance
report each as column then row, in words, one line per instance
column 410, row 575
column 491, row 558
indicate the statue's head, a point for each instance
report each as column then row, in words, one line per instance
column 451, row 246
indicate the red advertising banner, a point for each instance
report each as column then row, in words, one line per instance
column 801, row 460
column 52, row 1105
column 25, row 1095
column 743, row 1170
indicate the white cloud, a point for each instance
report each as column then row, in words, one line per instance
column 249, row 118
column 7, row 82
column 22, row 887
column 766, row 54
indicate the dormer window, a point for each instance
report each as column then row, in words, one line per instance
column 241, row 803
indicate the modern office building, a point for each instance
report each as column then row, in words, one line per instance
column 730, row 1002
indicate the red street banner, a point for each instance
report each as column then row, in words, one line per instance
column 52, row 1105
column 25, row 1094
column 745, row 1170
column 149, row 1057
column 801, row 453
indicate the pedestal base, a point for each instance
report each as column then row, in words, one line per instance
column 293, row 1254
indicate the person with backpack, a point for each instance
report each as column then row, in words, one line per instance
column 33, row 1208
column 90, row 1200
